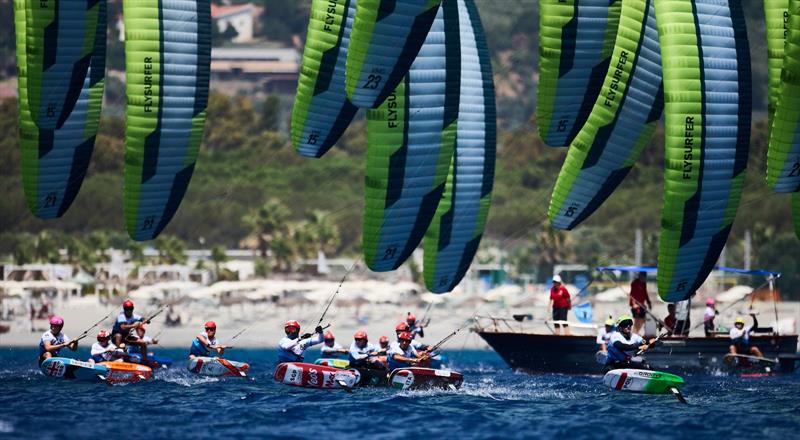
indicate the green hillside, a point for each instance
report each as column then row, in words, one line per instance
column 245, row 163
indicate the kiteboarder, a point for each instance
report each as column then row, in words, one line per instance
column 623, row 341
column 53, row 340
column 401, row 354
column 740, row 338
column 637, row 300
column 560, row 304
column 604, row 334
column 204, row 343
column 417, row 329
column 124, row 323
column 384, row 344
column 331, row 348
column 404, row 327
column 708, row 317
column 137, row 345
column 362, row 353
column 292, row 347
column 103, row 350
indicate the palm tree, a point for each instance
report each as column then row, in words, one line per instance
column 326, row 234
column 218, row 256
column 46, row 247
column 171, row 249
column 267, row 223
column 553, row 246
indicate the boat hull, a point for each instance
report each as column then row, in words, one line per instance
column 538, row 353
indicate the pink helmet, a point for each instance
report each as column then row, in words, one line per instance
column 710, row 302
column 56, row 320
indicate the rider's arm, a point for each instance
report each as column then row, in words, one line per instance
column 401, row 358
column 354, row 353
column 621, row 346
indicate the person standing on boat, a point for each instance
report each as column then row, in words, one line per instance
column 708, row 317
column 53, row 340
column 670, row 319
column 560, row 303
column 604, row 334
column 292, row 347
column 125, row 322
column 637, row 301
column 740, row 338
column 362, row 353
column 206, row 344
column 416, row 328
column 332, row 349
column 623, row 344
column 401, row 354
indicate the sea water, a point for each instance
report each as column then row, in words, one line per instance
column 494, row 402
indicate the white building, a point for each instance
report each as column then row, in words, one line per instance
column 241, row 17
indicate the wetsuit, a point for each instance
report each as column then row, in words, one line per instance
column 618, row 348
column 604, row 336
column 122, row 319
column 291, row 350
column 741, row 338
column 394, row 349
column 200, row 350
column 359, row 356
column 135, row 351
column 103, row 354
column 48, row 336
column 332, row 351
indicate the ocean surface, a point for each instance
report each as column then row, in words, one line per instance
column 494, row 402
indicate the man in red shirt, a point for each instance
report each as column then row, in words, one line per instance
column 637, row 301
column 560, row 303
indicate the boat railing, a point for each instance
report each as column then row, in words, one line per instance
column 516, row 324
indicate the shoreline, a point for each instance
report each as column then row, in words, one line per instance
column 264, row 322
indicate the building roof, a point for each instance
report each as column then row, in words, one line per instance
column 218, row 11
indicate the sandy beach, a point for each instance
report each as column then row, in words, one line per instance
column 264, row 320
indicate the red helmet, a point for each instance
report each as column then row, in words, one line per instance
column 361, row 334
column 710, row 302
column 405, row 336
column 383, row 339
column 402, row 327
column 329, row 336
column 411, row 317
column 211, row 324
column 56, row 320
column 103, row 334
column 127, row 304
column 292, row 324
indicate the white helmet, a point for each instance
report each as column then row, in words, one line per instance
column 556, row 279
